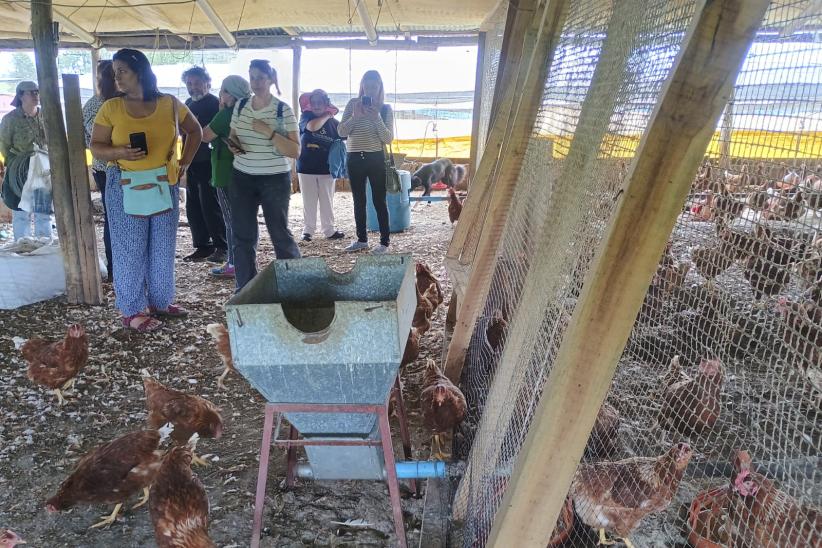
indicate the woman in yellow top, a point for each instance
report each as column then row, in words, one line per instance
column 143, row 248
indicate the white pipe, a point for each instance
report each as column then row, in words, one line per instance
column 370, row 30
column 222, row 30
column 75, row 29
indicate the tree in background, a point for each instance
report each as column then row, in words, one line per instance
column 22, row 67
column 74, row 61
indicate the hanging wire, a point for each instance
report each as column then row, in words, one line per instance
column 242, row 12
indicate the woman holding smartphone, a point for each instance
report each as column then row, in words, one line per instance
column 367, row 123
column 138, row 132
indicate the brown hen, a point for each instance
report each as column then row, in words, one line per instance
column 615, row 496
column 425, row 277
column 604, row 441
column 179, row 504
column 55, row 364
column 693, row 405
column 495, row 332
column 111, row 473
column 220, row 334
column 761, row 515
column 454, row 206
column 443, row 405
column 188, row 413
column 412, row 348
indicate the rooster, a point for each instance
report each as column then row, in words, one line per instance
column 454, row 206
column 188, row 413
column 693, row 405
column 56, row 364
column 761, row 515
column 179, row 503
column 113, row 472
column 443, row 405
column 615, row 496
column 425, row 277
column 220, row 334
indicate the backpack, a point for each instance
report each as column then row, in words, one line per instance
column 338, row 160
column 244, row 102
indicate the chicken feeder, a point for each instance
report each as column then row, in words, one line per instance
column 302, row 333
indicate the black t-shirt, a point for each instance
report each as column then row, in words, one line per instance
column 314, row 145
column 204, row 110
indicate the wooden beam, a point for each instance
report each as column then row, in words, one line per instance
column 45, row 55
column 507, row 143
column 206, row 7
column 726, row 134
column 475, row 114
column 657, row 185
column 296, row 60
column 83, row 224
column 95, row 59
column 71, row 26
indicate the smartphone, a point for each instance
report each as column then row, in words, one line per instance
column 366, row 101
column 138, row 140
column 231, row 142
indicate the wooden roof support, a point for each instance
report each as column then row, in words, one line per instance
column 222, row 30
column 475, row 115
column 71, row 27
column 657, row 185
column 503, row 157
column 76, row 231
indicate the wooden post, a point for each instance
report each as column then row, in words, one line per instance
column 600, row 98
column 657, row 185
column 297, row 52
column 475, row 115
column 95, row 58
column 726, row 134
column 45, row 53
column 507, row 142
column 80, row 193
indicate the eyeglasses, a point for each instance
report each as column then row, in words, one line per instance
column 33, row 92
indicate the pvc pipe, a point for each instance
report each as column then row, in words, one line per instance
column 405, row 469
column 222, row 30
column 370, row 29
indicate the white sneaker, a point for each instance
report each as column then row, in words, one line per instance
column 356, row 245
column 380, row 250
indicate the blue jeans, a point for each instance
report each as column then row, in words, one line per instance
column 246, row 194
column 21, row 224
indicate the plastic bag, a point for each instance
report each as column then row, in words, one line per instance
column 36, row 196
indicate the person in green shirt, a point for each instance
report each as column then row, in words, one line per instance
column 233, row 89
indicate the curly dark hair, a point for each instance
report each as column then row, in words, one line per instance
column 199, row 72
column 139, row 63
column 106, row 86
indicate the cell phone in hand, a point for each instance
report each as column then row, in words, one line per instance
column 366, row 101
column 232, row 143
column 138, row 140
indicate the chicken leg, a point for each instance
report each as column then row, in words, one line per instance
column 108, row 520
column 69, row 384
column 436, row 448
column 143, row 499
column 60, row 399
column 197, row 460
column 221, row 378
column 605, row 541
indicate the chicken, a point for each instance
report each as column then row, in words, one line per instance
column 693, row 405
column 412, row 348
column 784, row 208
column 813, row 191
column 615, row 496
column 710, row 262
column 495, row 332
column 179, row 504
column 761, row 515
column 223, row 343
column 423, row 312
column 739, row 182
column 424, row 280
column 188, row 413
column 726, row 208
column 604, row 442
column 443, row 405
column 113, row 472
column 804, row 329
column 810, row 267
column 767, row 269
column 674, row 374
column 704, row 176
column 454, row 206
column 55, row 364
column 9, row 539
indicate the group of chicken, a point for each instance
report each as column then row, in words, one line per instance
column 443, row 403
column 115, row 471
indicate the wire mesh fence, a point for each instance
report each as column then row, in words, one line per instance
column 490, row 68
column 710, row 431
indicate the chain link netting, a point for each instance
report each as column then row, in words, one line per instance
column 490, row 68
column 725, row 353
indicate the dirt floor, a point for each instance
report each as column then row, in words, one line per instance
column 40, row 441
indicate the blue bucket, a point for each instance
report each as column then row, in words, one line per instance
column 399, row 206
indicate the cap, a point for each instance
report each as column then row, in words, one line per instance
column 25, row 85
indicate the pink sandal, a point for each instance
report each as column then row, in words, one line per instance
column 173, row 311
column 146, row 323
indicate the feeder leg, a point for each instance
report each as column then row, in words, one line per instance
column 391, row 472
column 404, row 433
column 262, row 476
column 292, row 459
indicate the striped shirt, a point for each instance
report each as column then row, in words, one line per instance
column 261, row 156
column 366, row 134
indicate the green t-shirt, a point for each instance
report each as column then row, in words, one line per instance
column 222, row 160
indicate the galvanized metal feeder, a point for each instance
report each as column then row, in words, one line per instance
column 324, row 348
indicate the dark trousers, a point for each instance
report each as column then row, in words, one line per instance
column 100, row 182
column 371, row 166
column 246, row 194
column 205, row 218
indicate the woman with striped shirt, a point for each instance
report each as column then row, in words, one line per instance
column 368, row 122
column 264, row 135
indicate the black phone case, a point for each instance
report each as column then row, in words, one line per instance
column 138, row 140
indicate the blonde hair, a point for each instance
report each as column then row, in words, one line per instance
column 373, row 75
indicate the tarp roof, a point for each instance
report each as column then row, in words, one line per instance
column 270, row 21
